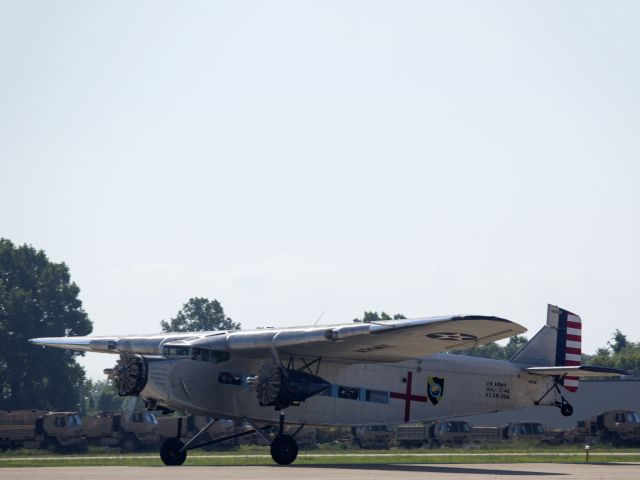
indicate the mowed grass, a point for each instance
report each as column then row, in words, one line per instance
column 260, row 456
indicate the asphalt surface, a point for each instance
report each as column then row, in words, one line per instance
column 521, row 471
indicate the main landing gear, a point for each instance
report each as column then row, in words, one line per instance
column 565, row 407
column 284, row 448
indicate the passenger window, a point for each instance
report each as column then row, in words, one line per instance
column 59, row 422
column 376, row 396
column 351, row 393
column 227, row 378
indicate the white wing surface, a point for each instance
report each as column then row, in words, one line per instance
column 388, row 341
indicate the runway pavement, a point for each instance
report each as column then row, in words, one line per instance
column 520, row 471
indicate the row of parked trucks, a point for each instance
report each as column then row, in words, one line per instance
column 66, row 431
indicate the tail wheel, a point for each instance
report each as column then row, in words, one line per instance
column 284, row 449
column 566, row 409
column 170, row 452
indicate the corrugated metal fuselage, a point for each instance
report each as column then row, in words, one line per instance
column 433, row 387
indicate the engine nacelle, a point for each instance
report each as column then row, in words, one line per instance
column 281, row 387
column 129, row 375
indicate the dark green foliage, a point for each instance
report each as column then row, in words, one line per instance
column 103, row 397
column 621, row 353
column 372, row 317
column 37, row 299
column 199, row 315
column 495, row 351
column 618, row 341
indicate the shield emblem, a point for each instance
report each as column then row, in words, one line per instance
column 435, row 389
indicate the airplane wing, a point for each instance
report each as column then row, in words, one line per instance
column 386, row 341
column 577, row 371
column 399, row 340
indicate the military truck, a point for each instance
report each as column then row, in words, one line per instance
column 192, row 424
column 377, row 437
column 617, row 427
column 452, row 433
column 53, row 431
column 129, row 432
column 512, row 432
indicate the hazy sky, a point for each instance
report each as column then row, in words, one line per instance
column 289, row 158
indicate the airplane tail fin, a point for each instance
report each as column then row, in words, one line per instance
column 558, row 343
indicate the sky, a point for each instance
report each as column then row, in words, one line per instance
column 295, row 158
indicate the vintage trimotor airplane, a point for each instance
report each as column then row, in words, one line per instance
column 386, row 372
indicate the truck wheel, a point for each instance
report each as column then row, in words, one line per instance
column 170, row 452
column 615, row 439
column 130, row 444
column 52, row 446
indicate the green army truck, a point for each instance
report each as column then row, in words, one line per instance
column 40, row 429
column 451, row 433
column 616, row 427
column 128, row 432
column 374, row 437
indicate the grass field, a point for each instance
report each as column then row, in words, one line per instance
column 260, row 456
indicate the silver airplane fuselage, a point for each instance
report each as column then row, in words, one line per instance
column 360, row 394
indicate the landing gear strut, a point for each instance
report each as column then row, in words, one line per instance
column 565, row 407
column 284, row 448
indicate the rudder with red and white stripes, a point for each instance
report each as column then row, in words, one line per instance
column 569, row 341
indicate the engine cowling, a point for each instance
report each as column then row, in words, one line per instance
column 129, row 375
column 281, row 387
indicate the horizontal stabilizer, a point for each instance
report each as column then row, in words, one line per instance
column 577, row 371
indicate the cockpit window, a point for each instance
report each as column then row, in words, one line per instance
column 169, row 351
column 211, row 356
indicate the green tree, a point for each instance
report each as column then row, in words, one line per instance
column 618, row 341
column 620, row 353
column 103, row 397
column 37, row 299
column 495, row 351
column 199, row 315
column 372, row 317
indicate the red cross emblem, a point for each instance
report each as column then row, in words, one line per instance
column 408, row 397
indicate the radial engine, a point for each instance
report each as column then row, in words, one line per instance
column 281, row 387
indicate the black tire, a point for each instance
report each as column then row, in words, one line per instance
column 566, row 409
column 615, row 439
column 284, row 449
column 170, row 453
column 52, row 446
column 130, row 444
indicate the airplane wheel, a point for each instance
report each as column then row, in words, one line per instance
column 170, row 452
column 284, row 449
column 566, row 410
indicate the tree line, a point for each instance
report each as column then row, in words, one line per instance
column 38, row 299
